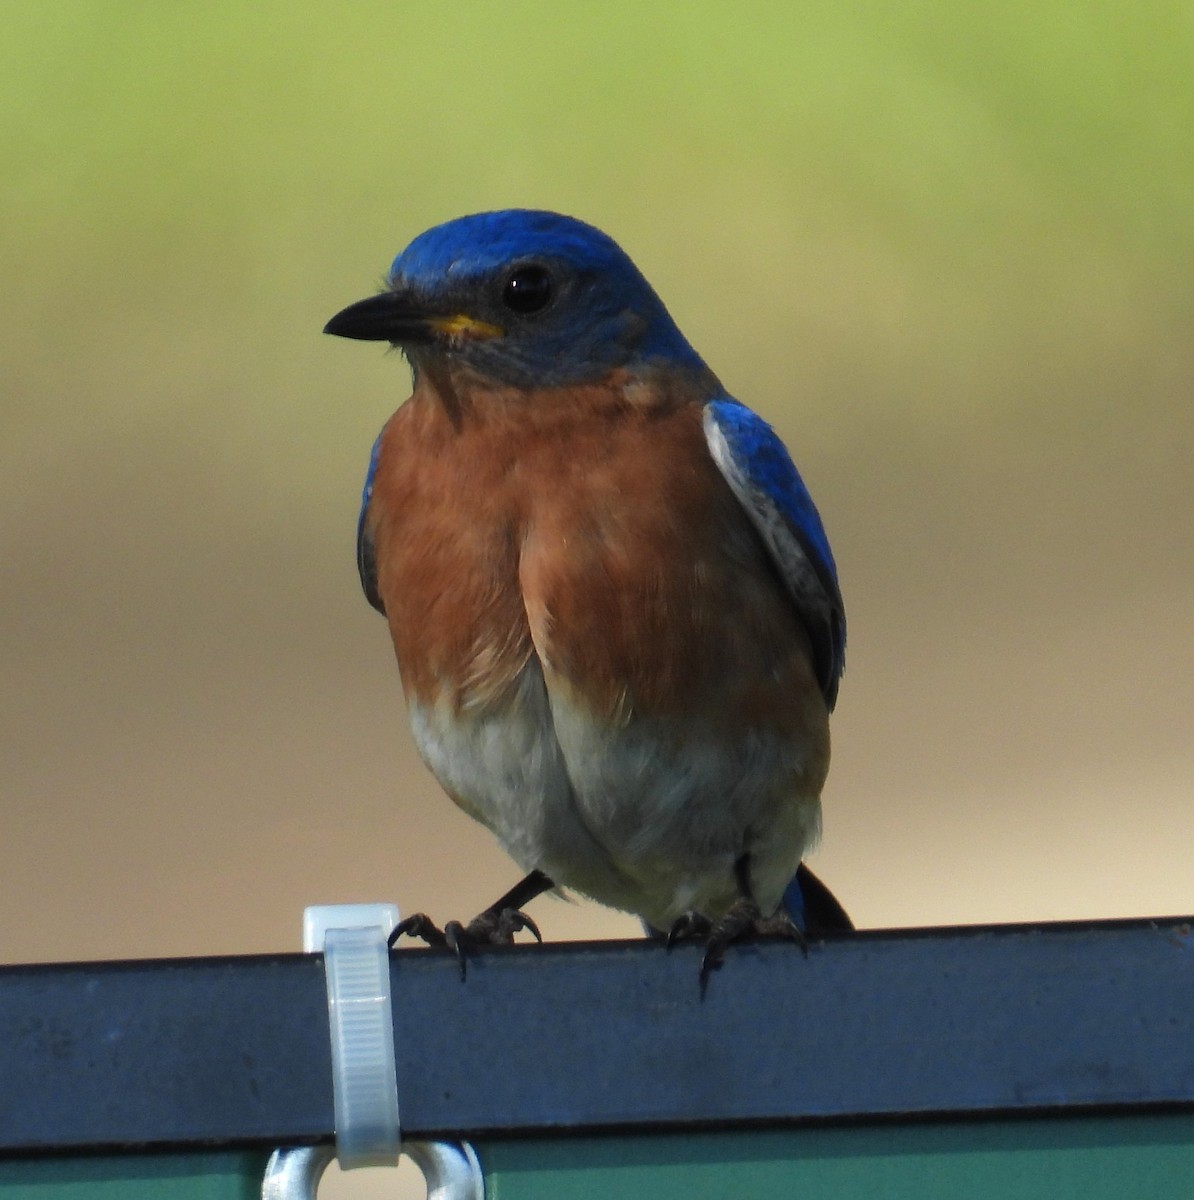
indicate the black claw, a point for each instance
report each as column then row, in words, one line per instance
column 496, row 926
column 787, row 929
column 741, row 923
column 457, row 939
column 711, row 961
column 493, row 927
column 509, row 922
column 691, row 926
column 418, row 925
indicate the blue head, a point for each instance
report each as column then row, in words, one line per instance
column 525, row 297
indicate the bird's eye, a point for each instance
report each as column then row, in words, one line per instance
column 528, row 289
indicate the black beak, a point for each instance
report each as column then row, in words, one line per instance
column 386, row 317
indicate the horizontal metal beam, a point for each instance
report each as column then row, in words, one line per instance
column 609, row 1036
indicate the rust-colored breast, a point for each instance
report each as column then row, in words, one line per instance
column 588, row 526
column 445, row 520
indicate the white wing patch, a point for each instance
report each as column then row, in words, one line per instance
column 786, row 552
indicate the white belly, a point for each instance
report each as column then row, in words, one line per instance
column 641, row 817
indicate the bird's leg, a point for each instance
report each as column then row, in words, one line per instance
column 495, row 926
column 744, row 920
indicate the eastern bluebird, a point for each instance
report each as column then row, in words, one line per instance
column 614, row 607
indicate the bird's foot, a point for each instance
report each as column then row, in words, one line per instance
column 691, row 927
column 495, row 926
column 744, row 922
column 418, row 925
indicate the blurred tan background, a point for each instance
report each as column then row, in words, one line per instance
column 946, row 250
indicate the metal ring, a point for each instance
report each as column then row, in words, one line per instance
column 294, row 1174
column 450, row 1169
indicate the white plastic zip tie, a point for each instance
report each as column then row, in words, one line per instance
column 353, row 940
column 364, row 1075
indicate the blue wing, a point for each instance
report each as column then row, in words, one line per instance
column 814, row 908
column 762, row 475
column 366, row 564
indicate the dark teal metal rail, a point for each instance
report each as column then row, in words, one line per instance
column 881, row 1061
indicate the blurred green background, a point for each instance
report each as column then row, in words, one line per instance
column 946, row 249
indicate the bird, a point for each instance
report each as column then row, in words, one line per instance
column 615, row 610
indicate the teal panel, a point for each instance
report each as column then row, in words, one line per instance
column 217, row 1176
column 1094, row 1158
